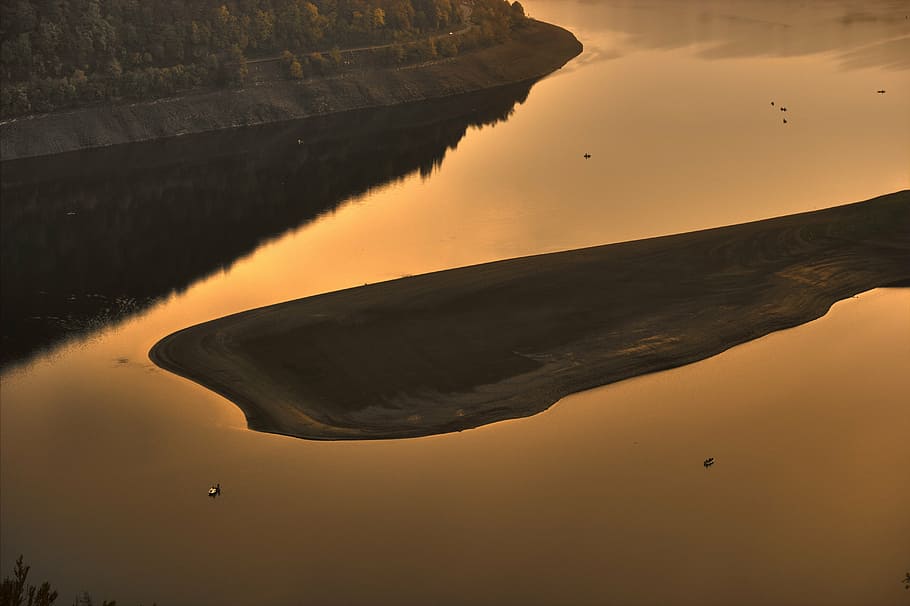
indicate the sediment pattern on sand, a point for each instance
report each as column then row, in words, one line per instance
column 461, row 348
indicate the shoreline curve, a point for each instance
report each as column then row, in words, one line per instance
column 538, row 50
column 461, row 348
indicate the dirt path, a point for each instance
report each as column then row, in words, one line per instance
column 466, row 15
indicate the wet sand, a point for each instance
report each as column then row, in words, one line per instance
column 461, row 348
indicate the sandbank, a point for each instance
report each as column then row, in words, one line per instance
column 460, row 348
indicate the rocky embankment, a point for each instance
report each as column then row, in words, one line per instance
column 535, row 51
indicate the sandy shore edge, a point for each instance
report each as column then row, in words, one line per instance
column 461, row 348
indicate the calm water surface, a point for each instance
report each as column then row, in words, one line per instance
column 602, row 499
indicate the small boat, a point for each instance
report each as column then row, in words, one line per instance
column 709, row 462
column 215, row 491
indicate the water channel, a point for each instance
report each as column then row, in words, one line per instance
column 602, row 499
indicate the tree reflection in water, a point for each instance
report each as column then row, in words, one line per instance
column 91, row 238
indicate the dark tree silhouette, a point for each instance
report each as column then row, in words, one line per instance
column 17, row 592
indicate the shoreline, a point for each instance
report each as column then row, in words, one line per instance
column 465, row 347
column 203, row 191
column 533, row 53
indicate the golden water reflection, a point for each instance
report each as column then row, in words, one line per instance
column 603, row 499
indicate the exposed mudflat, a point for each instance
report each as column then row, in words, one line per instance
column 456, row 349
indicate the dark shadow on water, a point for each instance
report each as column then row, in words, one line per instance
column 91, row 238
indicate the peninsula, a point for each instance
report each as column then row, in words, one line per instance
column 380, row 57
column 457, row 349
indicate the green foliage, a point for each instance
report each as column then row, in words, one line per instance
column 62, row 53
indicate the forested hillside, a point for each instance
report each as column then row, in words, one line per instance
column 63, row 53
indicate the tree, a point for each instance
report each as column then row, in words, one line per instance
column 57, row 53
column 23, row 18
column 287, row 57
column 14, row 591
column 291, row 65
column 316, row 62
column 234, row 67
column 15, row 101
column 426, row 50
column 223, row 29
column 517, row 13
column 296, row 70
column 16, row 55
column 378, row 18
column 447, row 46
column 263, row 28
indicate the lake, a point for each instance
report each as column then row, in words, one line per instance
column 602, row 499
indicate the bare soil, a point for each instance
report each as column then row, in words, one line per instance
column 456, row 349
